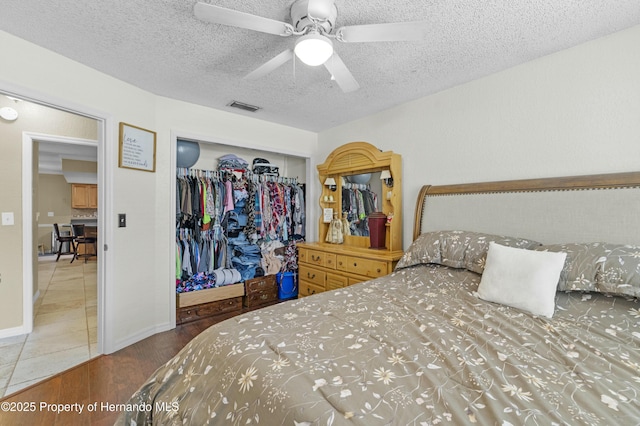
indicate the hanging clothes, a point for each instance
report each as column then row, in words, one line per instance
column 358, row 202
column 221, row 215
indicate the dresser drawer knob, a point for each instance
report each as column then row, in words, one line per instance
column 355, row 264
column 315, row 258
column 379, row 270
column 310, row 276
column 309, row 291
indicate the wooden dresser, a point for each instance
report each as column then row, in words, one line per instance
column 323, row 267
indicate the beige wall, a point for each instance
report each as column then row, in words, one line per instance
column 54, row 195
column 570, row 113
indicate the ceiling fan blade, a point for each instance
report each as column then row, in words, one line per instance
column 319, row 9
column 220, row 15
column 270, row 65
column 341, row 74
column 399, row 31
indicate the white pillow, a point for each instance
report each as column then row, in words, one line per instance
column 523, row 279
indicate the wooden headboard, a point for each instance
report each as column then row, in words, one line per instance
column 587, row 208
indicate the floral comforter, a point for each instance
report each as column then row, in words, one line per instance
column 416, row 347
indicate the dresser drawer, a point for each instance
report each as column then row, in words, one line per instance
column 336, row 281
column 330, row 261
column 260, row 284
column 358, row 265
column 353, row 281
column 312, row 275
column 219, row 307
column 306, row 288
column 196, row 312
column 314, row 257
column 260, row 298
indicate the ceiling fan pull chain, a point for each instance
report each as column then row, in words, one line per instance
column 294, row 70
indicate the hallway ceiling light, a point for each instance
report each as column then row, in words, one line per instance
column 8, row 114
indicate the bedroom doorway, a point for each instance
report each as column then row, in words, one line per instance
column 62, row 321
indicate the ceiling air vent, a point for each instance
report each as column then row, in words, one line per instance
column 243, row 106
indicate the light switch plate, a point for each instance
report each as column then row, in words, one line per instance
column 7, row 218
column 122, row 220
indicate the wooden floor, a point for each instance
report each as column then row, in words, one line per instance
column 107, row 379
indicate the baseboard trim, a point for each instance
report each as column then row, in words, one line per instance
column 11, row 332
column 143, row 334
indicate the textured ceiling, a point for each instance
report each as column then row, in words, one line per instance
column 159, row 46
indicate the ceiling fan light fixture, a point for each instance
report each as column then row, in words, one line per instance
column 313, row 49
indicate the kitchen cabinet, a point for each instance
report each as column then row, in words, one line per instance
column 84, row 196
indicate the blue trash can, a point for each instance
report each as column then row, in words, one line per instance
column 287, row 285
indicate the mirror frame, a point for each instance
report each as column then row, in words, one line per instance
column 357, row 158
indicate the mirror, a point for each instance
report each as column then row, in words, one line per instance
column 361, row 196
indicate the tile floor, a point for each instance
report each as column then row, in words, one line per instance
column 64, row 328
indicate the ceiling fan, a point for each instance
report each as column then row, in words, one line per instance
column 313, row 21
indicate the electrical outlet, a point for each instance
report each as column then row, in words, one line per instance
column 7, row 218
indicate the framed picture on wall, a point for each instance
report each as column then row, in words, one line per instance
column 137, row 148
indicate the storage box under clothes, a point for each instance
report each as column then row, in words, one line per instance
column 210, row 295
column 260, row 291
column 199, row 304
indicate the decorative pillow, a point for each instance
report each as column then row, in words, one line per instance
column 523, row 279
column 619, row 270
column 457, row 249
column 599, row 267
column 581, row 266
column 424, row 249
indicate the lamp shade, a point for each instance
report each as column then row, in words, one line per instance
column 313, row 49
column 385, row 174
column 330, row 181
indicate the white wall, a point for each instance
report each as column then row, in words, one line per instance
column 574, row 112
column 138, row 279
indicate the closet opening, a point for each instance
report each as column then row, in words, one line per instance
column 239, row 213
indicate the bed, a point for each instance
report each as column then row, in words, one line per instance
column 443, row 339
